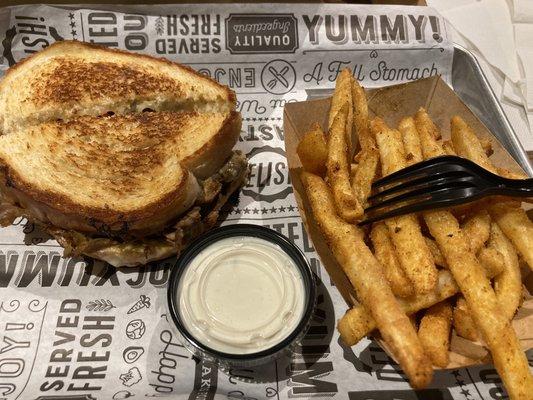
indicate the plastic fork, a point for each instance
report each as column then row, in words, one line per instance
column 435, row 183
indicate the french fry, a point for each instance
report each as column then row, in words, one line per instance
column 390, row 146
column 501, row 259
column 386, row 255
column 338, row 170
column 358, row 322
column 491, row 260
column 366, row 172
column 486, row 143
column 509, row 360
column 313, row 151
column 448, row 148
column 411, row 248
column 477, row 230
column 468, row 145
column 360, row 117
column 472, row 147
column 511, row 174
column 462, row 321
column 516, row 225
column 438, row 258
column 434, row 333
column 512, row 220
column 353, row 170
column 343, row 96
column 508, row 284
column 429, row 134
column 411, row 141
column 366, row 275
column 414, row 322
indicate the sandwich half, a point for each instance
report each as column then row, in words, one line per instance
column 121, row 157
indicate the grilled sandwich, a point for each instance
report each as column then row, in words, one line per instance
column 119, row 156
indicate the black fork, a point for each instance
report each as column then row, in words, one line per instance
column 435, row 183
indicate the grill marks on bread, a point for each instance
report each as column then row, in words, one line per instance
column 115, row 160
column 72, row 80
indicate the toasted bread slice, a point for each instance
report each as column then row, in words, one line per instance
column 116, row 174
column 70, row 79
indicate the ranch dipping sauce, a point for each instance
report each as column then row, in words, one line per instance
column 241, row 295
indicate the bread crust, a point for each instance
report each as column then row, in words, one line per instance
column 58, row 210
column 208, row 159
column 54, row 208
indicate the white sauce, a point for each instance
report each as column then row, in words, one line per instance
column 241, row 295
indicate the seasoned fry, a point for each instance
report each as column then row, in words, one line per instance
column 390, row 146
column 499, row 259
column 338, row 173
column 434, row 333
column 472, row 244
column 360, row 117
column 511, row 174
column 475, row 149
column 313, row 151
column 509, row 360
column 462, row 321
column 365, row 273
column 477, row 230
column 508, row 284
column 448, row 148
column 341, row 97
column 357, row 322
column 512, row 220
column 516, row 225
column 386, row 255
column 503, row 265
column 414, row 322
column 429, row 134
column 365, row 173
column 438, row 258
column 491, row 260
column 468, row 145
column 486, row 143
column 411, row 141
column 353, row 170
column 411, row 248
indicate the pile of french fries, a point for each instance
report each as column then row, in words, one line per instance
column 417, row 277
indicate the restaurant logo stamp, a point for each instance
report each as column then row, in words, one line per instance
column 261, row 33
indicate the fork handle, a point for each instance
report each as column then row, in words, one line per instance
column 517, row 188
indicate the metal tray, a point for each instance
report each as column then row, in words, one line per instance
column 472, row 86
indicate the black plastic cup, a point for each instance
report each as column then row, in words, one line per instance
column 250, row 359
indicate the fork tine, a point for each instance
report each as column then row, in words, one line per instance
column 436, row 190
column 415, row 170
column 456, row 197
column 423, row 181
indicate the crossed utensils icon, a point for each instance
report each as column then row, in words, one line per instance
column 278, row 77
